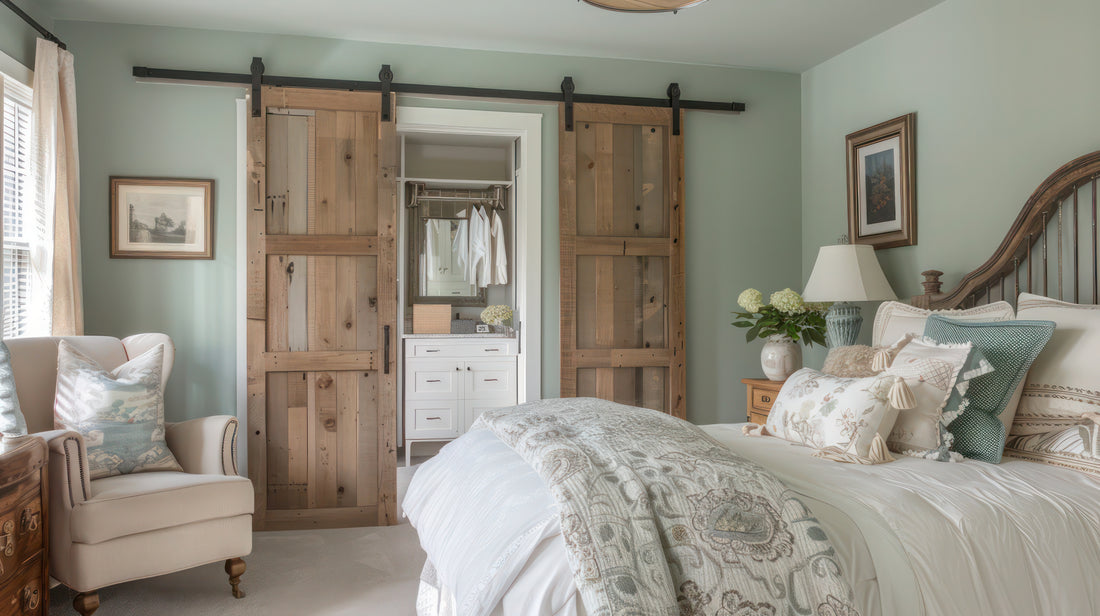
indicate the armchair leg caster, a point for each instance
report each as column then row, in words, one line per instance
column 86, row 603
column 235, row 568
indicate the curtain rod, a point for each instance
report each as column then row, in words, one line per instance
column 386, row 86
column 49, row 36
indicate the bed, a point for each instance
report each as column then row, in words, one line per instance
column 913, row 537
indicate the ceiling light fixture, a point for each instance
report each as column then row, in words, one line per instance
column 644, row 6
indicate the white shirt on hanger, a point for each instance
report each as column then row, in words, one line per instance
column 480, row 269
column 500, row 252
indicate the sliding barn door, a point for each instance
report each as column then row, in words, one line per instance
column 322, row 307
column 622, row 260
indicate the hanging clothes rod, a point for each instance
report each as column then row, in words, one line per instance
column 492, row 196
column 46, row 34
column 257, row 78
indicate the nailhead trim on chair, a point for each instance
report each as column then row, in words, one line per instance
column 80, row 465
column 233, row 447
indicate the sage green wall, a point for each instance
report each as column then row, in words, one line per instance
column 1005, row 92
column 743, row 183
column 17, row 39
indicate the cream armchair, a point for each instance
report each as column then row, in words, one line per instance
column 130, row 527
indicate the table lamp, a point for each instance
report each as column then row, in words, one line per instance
column 842, row 274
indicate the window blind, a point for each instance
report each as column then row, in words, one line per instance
column 24, row 217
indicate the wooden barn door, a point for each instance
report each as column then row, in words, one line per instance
column 622, row 259
column 322, row 308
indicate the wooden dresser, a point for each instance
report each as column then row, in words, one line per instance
column 24, row 562
column 761, row 396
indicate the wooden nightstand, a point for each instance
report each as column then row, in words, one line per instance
column 24, row 577
column 761, row 396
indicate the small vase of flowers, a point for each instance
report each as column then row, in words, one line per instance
column 784, row 321
column 496, row 316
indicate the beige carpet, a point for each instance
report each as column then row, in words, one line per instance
column 360, row 571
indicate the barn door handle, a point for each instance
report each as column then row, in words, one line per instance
column 386, row 350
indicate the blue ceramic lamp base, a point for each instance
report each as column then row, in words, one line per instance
column 842, row 324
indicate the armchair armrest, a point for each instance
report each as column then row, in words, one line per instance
column 68, row 467
column 207, row 445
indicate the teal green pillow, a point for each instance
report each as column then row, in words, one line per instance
column 12, row 422
column 1010, row 347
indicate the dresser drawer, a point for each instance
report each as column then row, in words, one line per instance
column 20, row 526
column 490, row 347
column 491, row 379
column 23, row 594
column 433, row 379
column 426, row 419
column 763, row 399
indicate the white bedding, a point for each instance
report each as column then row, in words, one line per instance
column 914, row 536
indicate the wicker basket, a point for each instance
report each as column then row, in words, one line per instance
column 431, row 318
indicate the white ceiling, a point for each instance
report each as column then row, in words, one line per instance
column 785, row 35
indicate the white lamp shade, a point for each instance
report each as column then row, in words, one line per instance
column 847, row 273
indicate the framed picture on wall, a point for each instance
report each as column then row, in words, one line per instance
column 882, row 184
column 162, row 218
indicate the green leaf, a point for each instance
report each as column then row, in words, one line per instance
column 742, row 324
column 752, row 333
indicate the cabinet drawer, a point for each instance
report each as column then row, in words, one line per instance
column 491, row 379
column 758, row 418
column 763, row 399
column 20, row 526
column 433, row 419
column 23, row 594
column 474, row 409
column 490, row 347
column 432, row 379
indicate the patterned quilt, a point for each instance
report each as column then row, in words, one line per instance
column 659, row 519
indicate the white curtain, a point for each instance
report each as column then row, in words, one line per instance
column 56, row 261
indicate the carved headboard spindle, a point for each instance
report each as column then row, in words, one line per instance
column 1034, row 223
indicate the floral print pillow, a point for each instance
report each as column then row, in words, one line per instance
column 848, row 419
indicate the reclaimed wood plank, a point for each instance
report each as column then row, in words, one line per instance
column 345, row 168
column 278, row 433
column 325, row 207
column 276, row 210
column 366, row 173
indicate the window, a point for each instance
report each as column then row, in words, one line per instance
column 24, row 216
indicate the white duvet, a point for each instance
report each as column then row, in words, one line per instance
column 914, row 536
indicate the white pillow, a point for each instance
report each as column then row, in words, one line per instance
column 1064, row 382
column 895, row 319
column 120, row 412
column 846, row 419
column 932, row 371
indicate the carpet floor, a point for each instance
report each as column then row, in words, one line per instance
column 350, row 571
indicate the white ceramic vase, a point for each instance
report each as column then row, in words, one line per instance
column 780, row 358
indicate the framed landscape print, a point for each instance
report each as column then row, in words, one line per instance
column 159, row 218
column 882, row 193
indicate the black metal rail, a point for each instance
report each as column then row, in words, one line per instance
column 49, row 36
column 256, row 77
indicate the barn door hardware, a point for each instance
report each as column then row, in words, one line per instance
column 385, row 77
column 567, row 89
column 257, row 79
column 674, row 102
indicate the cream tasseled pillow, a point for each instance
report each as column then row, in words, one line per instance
column 858, row 361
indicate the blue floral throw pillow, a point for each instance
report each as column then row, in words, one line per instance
column 119, row 412
column 1011, row 347
column 12, row 422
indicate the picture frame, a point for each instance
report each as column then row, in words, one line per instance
column 161, row 218
column 882, row 184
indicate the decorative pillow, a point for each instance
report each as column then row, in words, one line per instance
column 857, row 361
column 933, row 372
column 895, row 319
column 120, row 413
column 1011, row 347
column 846, row 418
column 1056, row 421
column 12, row 422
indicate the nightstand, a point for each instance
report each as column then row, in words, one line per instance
column 761, row 396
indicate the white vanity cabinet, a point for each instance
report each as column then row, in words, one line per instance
column 449, row 381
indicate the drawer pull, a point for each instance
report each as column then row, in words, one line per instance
column 433, row 380
column 765, row 398
column 31, row 599
column 490, row 380
column 7, row 540
column 491, row 350
column 434, row 418
column 30, row 521
column 431, row 350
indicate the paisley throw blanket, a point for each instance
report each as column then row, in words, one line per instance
column 659, row 519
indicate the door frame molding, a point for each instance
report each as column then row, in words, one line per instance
column 527, row 127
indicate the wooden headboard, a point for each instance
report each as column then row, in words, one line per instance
column 1051, row 248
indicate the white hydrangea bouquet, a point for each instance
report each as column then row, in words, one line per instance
column 496, row 315
column 786, row 314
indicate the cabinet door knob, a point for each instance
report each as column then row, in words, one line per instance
column 7, row 540
column 30, row 520
column 468, row 368
column 31, row 599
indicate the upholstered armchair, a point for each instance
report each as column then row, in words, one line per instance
column 129, row 527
